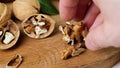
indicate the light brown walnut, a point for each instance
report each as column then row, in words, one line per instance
column 25, row 8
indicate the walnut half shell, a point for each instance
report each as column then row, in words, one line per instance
column 9, row 34
column 38, row 26
column 5, row 13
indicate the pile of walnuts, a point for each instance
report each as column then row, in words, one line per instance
column 34, row 24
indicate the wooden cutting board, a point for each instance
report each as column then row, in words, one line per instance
column 45, row 53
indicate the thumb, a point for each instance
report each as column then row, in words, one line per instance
column 97, row 37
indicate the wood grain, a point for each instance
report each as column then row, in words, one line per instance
column 45, row 53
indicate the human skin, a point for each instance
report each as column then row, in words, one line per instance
column 102, row 19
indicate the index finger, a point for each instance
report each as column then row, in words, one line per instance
column 68, row 8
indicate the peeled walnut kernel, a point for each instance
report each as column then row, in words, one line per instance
column 84, row 32
column 71, row 52
column 74, row 35
column 8, row 38
column 39, row 31
column 38, row 26
column 41, row 23
column 66, row 53
column 29, row 29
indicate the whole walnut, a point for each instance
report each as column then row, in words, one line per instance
column 25, row 8
column 5, row 13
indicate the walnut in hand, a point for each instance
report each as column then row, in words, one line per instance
column 74, row 35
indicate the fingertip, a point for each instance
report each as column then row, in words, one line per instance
column 96, row 38
column 66, row 14
column 69, row 3
column 90, row 44
column 68, row 9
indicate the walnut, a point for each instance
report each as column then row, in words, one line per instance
column 74, row 35
column 38, row 26
column 25, row 8
column 9, row 34
column 5, row 13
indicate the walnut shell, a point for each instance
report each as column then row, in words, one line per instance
column 39, row 17
column 11, row 27
column 25, row 8
column 5, row 13
column 14, row 62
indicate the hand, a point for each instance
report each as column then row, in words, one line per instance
column 105, row 29
column 102, row 20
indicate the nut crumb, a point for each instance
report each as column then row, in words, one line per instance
column 70, row 51
column 78, row 52
column 66, row 53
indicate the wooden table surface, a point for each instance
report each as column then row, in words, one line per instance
column 45, row 53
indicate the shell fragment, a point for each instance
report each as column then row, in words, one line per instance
column 14, row 62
